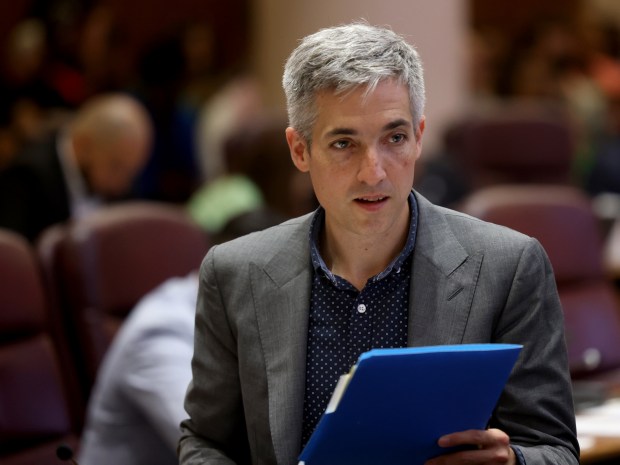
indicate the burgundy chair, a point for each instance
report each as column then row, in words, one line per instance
column 102, row 265
column 562, row 219
column 517, row 143
column 36, row 409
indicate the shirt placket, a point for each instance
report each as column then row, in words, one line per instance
column 361, row 325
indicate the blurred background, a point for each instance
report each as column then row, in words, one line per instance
column 176, row 58
column 203, row 67
column 522, row 128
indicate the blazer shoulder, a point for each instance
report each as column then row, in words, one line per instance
column 448, row 238
column 473, row 234
column 460, row 220
column 290, row 238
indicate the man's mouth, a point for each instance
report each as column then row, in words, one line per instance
column 370, row 199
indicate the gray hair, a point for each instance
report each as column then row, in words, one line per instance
column 342, row 58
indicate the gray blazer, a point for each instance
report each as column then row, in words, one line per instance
column 472, row 282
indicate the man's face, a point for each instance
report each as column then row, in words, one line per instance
column 111, row 167
column 362, row 159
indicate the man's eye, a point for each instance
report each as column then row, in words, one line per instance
column 341, row 144
column 397, row 138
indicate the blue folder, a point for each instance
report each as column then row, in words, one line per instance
column 395, row 403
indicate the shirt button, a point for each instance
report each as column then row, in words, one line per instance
column 361, row 308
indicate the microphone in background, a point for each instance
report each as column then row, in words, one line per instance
column 65, row 453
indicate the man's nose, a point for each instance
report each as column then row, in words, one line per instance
column 371, row 170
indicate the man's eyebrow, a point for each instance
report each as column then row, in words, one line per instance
column 396, row 124
column 340, row 132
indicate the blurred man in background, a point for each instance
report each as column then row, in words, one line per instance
column 93, row 159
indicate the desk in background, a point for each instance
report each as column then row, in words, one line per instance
column 598, row 430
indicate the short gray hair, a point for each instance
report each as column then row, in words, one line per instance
column 345, row 57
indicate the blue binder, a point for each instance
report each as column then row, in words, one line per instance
column 395, row 403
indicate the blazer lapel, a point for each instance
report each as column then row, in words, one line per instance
column 443, row 281
column 282, row 288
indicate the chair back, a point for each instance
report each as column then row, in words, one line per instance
column 514, row 143
column 562, row 219
column 103, row 264
column 35, row 410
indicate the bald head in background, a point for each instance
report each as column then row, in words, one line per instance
column 94, row 158
column 111, row 138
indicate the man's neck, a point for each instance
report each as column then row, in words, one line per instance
column 356, row 258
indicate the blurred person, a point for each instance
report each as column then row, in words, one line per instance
column 551, row 63
column 98, row 51
column 64, row 21
column 158, row 70
column 92, row 159
column 258, row 149
column 235, row 106
column 29, row 106
column 600, row 171
column 24, row 57
column 485, row 47
column 257, row 174
column 198, row 80
column 278, row 316
column 84, row 55
column 218, row 201
column 602, row 174
column 177, row 76
column 136, row 404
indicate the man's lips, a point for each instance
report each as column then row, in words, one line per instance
column 371, row 199
column 372, row 203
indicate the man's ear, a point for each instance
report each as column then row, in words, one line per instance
column 419, row 131
column 298, row 147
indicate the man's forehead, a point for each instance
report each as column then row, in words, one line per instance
column 389, row 125
column 376, row 100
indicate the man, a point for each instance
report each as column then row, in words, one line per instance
column 95, row 158
column 283, row 313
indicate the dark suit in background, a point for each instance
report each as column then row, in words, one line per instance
column 33, row 190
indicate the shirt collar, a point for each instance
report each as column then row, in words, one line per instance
column 81, row 201
column 317, row 225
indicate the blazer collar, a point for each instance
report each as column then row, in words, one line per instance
column 443, row 280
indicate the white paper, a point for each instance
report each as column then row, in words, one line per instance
column 586, row 442
column 602, row 420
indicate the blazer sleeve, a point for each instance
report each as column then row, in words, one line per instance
column 215, row 432
column 536, row 408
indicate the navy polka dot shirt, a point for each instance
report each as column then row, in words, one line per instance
column 345, row 322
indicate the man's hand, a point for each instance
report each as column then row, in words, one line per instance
column 491, row 447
